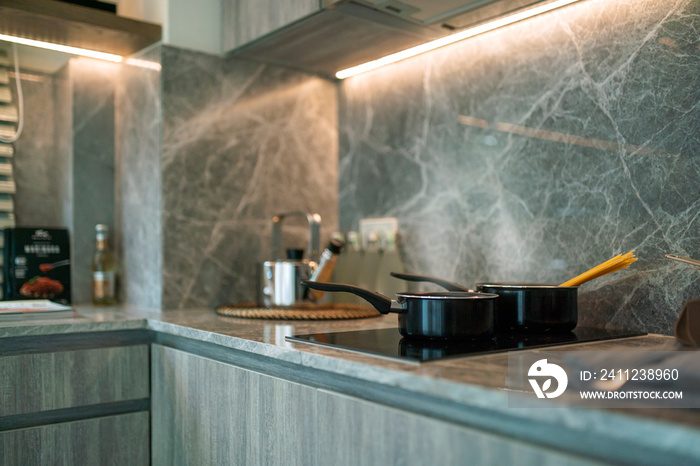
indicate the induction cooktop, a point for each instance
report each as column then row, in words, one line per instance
column 388, row 343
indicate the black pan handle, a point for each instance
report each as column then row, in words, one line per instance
column 412, row 277
column 378, row 301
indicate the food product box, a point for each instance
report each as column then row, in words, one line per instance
column 37, row 264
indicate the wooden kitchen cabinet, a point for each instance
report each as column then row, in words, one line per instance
column 247, row 20
column 32, row 383
column 209, row 412
column 109, row 440
column 74, row 407
column 390, row 436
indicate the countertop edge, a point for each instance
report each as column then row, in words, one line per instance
column 489, row 404
column 565, row 428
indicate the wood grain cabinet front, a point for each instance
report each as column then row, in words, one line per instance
column 388, row 436
column 31, row 383
column 109, row 440
column 209, row 412
column 75, row 407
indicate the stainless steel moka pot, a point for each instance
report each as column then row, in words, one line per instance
column 282, row 276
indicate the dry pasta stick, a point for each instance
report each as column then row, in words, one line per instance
column 618, row 262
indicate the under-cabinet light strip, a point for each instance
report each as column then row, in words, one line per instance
column 62, row 48
column 466, row 34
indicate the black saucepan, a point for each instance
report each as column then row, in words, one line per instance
column 522, row 307
column 434, row 315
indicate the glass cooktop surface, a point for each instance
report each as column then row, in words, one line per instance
column 389, row 343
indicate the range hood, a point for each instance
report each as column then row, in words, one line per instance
column 72, row 25
column 351, row 32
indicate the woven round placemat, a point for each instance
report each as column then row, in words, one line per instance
column 333, row 311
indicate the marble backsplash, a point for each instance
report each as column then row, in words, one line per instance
column 189, row 156
column 64, row 160
column 93, row 84
column 139, row 130
column 210, row 149
column 38, row 200
column 537, row 151
column 242, row 142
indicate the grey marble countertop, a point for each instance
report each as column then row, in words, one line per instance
column 476, row 382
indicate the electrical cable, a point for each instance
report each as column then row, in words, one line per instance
column 20, row 102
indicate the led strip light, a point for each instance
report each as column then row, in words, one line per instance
column 62, row 48
column 466, row 34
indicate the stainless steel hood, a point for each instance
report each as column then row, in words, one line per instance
column 449, row 14
column 77, row 26
column 351, row 32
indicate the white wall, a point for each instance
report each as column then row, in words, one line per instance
column 189, row 24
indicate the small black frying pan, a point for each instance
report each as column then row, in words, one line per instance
column 444, row 315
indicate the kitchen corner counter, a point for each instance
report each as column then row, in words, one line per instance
column 465, row 391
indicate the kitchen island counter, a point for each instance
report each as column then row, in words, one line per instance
column 464, row 391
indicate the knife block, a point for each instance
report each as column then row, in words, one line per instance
column 368, row 269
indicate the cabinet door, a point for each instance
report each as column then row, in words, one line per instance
column 207, row 412
column 31, row 383
column 110, row 440
column 247, row 20
column 356, row 432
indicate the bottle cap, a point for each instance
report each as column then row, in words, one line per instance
column 335, row 246
column 295, row 254
column 101, row 227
